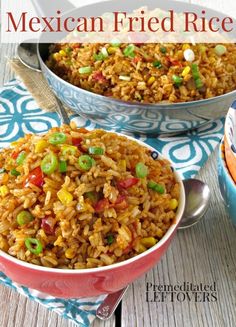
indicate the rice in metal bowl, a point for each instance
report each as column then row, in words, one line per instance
column 76, row 199
column 147, row 73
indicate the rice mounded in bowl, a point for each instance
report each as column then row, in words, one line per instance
column 147, row 73
column 77, row 199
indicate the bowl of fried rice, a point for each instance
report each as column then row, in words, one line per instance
column 146, row 88
column 84, row 213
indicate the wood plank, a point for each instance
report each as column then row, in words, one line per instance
column 203, row 254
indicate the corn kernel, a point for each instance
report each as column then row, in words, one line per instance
column 186, row 71
column 122, row 165
column 62, row 53
column 64, row 196
column 111, row 50
column 151, row 80
column 141, row 248
column 4, row 190
column 56, row 56
column 41, row 146
column 17, row 142
column 173, row 204
column 70, row 253
column 69, row 149
column 186, row 46
column 148, row 241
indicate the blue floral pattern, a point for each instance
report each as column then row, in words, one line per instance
column 19, row 114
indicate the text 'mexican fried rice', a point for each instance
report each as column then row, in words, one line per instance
column 78, row 199
column 147, row 73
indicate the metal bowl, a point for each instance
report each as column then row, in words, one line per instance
column 135, row 117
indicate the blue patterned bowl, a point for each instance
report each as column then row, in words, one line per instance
column 128, row 116
column 227, row 185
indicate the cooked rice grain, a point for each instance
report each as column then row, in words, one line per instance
column 103, row 223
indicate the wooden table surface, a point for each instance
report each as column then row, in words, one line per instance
column 205, row 254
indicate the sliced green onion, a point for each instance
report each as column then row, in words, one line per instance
column 163, row 49
column 2, row 170
column 157, row 64
column 98, row 57
column 57, row 138
column 177, row 80
column 156, row 187
column 21, row 158
column 220, row 50
column 141, row 170
column 195, row 71
column 125, row 78
column 129, row 51
column 85, row 162
column 85, row 70
column 62, row 166
column 198, row 83
column 104, row 52
column 196, row 76
column 69, row 150
column 49, row 163
column 24, row 217
column 34, row 245
column 96, row 150
column 110, row 239
column 68, row 50
column 14, row 172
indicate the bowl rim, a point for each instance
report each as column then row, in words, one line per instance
column 228, row 122
column 165, row 238
column 130, row 104
column 223, row 163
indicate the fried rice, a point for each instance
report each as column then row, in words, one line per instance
column 147, row 73
column 78, row 199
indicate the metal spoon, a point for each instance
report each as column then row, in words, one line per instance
column 197, row 202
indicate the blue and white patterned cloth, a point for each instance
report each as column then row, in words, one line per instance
column 19, row 114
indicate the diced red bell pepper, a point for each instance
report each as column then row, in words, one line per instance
column 14, row 154
column 75, row 45
column 174, row 62
column 35, row 177
column 47, row 225
column 121, row 203
column 76, row 141
column 136, row 59
column 101, row 205
column 126, row 183
column 98, row 77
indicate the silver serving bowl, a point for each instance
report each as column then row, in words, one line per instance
column 135, row 117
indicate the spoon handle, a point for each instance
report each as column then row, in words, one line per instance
column 62, row 112
column 109, row 305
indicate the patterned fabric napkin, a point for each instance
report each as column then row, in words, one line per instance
column 19, row 114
